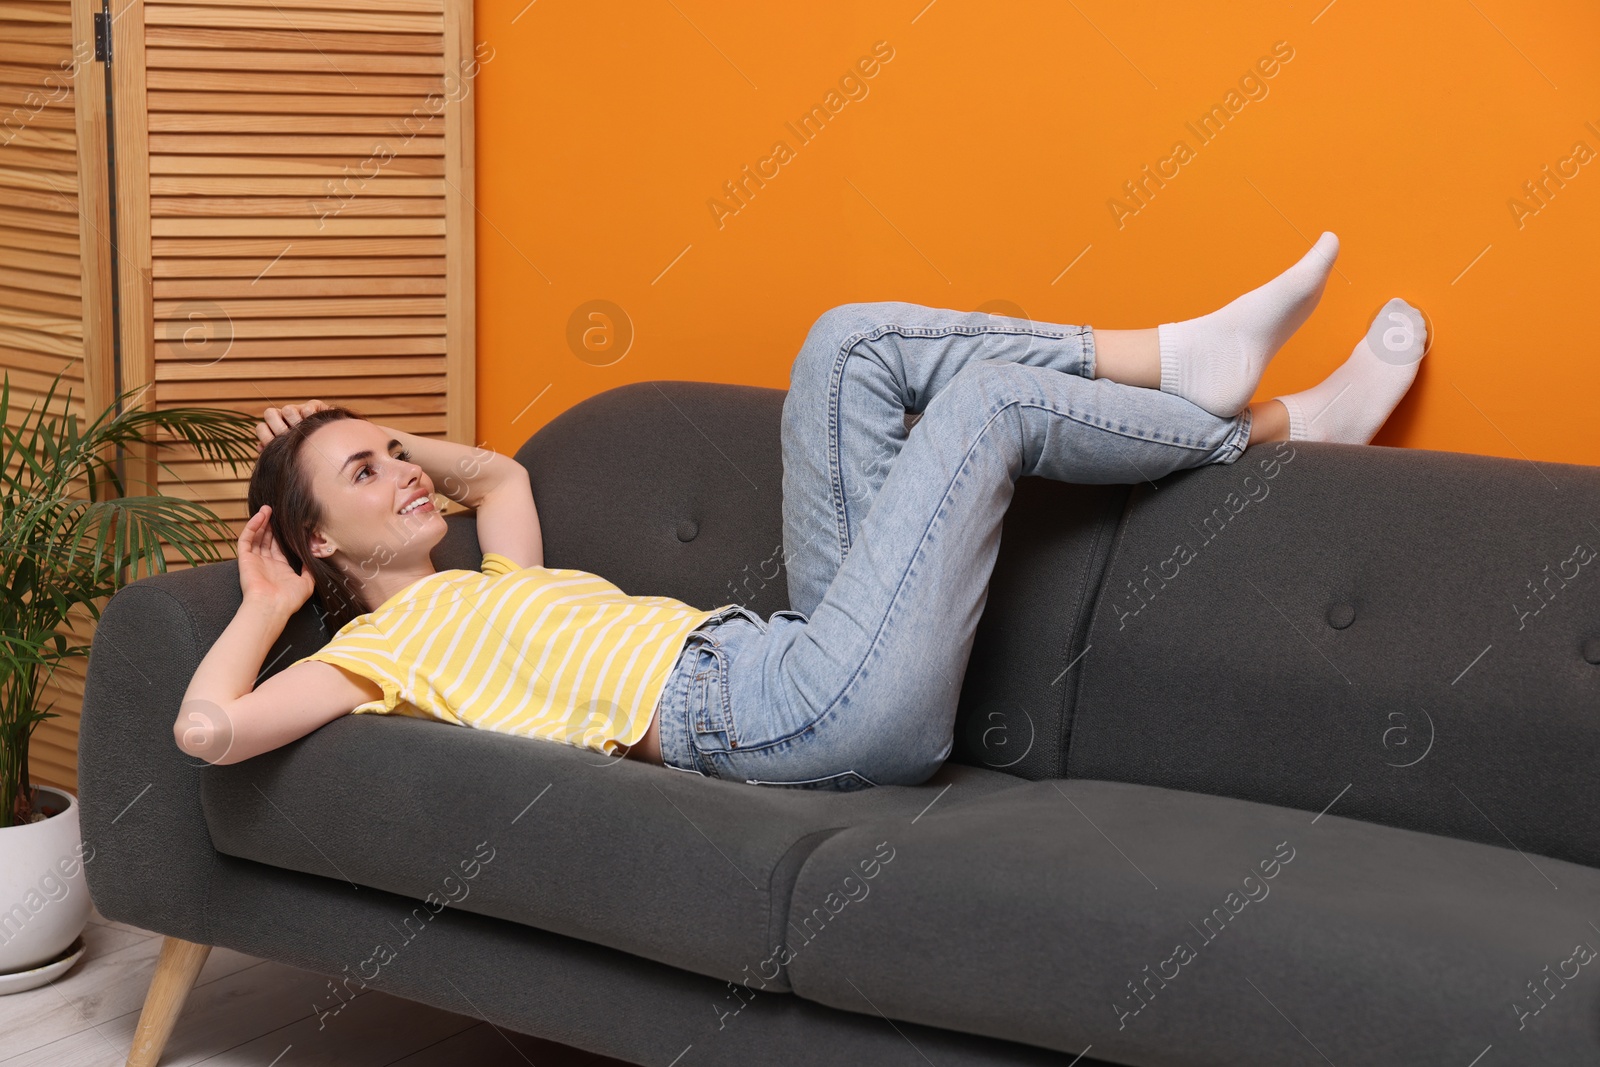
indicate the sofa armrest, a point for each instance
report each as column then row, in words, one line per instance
column 150, row 855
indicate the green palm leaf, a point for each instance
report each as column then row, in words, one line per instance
column 60, row 549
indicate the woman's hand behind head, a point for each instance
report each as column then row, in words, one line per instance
column 275, row 421
column 265, row 574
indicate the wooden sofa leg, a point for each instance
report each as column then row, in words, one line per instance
column 175, row 974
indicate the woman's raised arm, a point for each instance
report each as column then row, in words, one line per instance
column 272, row 593
column 465, row 475
column 462, row 473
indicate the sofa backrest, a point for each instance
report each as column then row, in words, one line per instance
column 1409, row 636
column 1405, row 636
column 667, row 489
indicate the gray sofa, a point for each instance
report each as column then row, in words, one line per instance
column 1290, row 761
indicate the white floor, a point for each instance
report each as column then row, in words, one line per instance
column 244, row 1011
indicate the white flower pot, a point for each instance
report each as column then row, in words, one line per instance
column 44, row 897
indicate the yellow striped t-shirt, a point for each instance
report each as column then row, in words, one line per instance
column 542, row 652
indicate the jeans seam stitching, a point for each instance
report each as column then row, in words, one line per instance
column 836, row 382
column 1120, row 431
column 921, row 544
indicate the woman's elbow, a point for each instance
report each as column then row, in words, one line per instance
column 208, row 731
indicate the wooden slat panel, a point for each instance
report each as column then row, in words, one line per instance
column 44, row 302
column 292, row 40
column 60, row 189
column 330, row 166
column 286, row 352
column 392, row 325
column 34, row 73
column 45, row 200
column 41, row 158
column 292, row 228
column 297, row 207
column 34, row 137
column 401, row 126
column 293, row 307
column 417, row 86
column 28, row 98
column 39, row 281
column 296, row 7
column 214, row 493
column 340, row 63
column 29, row 259
column 43, row 55
column 47, row 180
column 293, row 266
column 371, row 406
column 53, row 342
column 66, row 688
column 32, row 359
column 21, row 318
column 57, row 35
column 232, row 288
column 13, row 239
column 45, row 221
column 29, row 11
column 52, row 762
column 19, row 116
column 180, row 392
column 28, row 388
column 432, row 367
column 276, row 103
column 193, row 471
column 307, row 186
column 348, row 17
column 355, row 148
column 312, row 246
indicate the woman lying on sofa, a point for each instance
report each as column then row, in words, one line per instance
column 890, row 536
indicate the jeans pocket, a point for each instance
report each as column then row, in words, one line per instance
column 709, row 711
column 843, row 782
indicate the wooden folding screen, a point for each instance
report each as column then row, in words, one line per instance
column 55, row 274
column 292, row 217
column 295, row 184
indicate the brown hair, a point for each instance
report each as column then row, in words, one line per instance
column 281, row 481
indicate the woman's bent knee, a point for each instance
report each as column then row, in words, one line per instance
column 830, row 335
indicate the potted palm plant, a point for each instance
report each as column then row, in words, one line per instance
column 69, row 535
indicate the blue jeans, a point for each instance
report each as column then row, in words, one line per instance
column 890, row 535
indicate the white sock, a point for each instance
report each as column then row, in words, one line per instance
column 1216, row 361
column 1355, row 400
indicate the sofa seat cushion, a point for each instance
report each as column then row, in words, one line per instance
column 682, row 869
column 1157, row 926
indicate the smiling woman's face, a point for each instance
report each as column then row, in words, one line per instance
column 364, row 483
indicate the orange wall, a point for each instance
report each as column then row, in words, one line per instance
column 982, row 162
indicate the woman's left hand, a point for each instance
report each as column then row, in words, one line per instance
column 275, row 421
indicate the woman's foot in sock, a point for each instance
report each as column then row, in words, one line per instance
column 1217, row 360
column 1352, row 403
